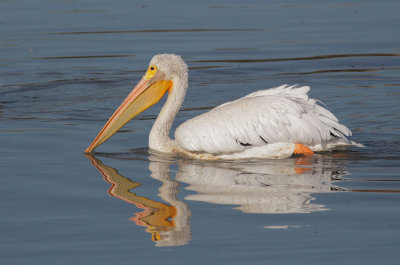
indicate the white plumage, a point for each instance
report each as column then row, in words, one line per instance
column 267, row 123
column 284, row 114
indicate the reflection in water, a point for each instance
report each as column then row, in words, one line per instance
column 168, row 224
column 265, row 187
column 276, row 186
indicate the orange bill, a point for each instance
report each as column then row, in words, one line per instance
column 147, row 92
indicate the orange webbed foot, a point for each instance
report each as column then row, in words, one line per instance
column 301, row 149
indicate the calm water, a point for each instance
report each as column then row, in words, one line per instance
column 66, row 65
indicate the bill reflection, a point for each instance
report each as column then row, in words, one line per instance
column 168, row 222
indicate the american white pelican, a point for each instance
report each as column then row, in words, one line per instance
column 271, row 123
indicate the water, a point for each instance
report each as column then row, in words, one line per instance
column 66, row 65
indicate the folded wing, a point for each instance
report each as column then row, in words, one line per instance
column 281, row 114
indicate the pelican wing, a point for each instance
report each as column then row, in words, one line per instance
column 281, row 114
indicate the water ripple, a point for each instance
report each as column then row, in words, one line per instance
column 316, row 57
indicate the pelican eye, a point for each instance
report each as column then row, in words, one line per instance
column 151, row 71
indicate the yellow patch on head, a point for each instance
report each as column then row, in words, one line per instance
column 151, row 71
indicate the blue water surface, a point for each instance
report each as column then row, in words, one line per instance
column 66, row 65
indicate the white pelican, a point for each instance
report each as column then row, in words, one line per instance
column 271, row 123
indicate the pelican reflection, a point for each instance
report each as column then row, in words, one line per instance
column 168, row 223
column 273, row 187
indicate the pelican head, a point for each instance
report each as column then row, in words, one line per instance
column 166, row 72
